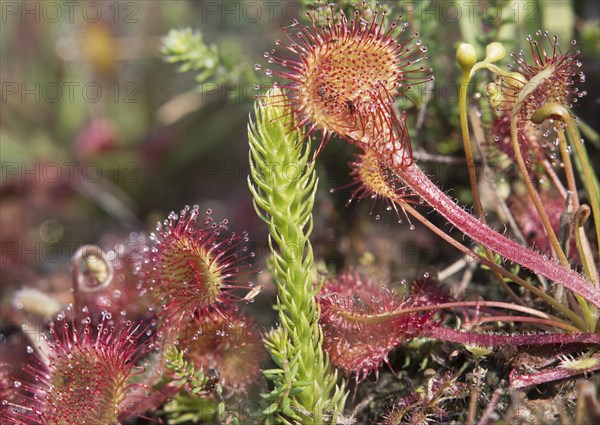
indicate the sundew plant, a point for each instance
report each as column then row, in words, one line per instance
column 410, row 256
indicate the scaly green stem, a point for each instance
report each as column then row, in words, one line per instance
column 283, row 185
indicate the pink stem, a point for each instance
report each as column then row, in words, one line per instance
column 416, row 179
column 496, row 340
column 485, row 417
column 522, row 381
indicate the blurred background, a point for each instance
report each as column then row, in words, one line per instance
column 109, row 121
column 103, row 135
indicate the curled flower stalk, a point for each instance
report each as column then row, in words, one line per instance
column 518, row 95
column 467, row 60
column 91, row 272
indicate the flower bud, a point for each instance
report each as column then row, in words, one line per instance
column 466, row 56
column 494, row 52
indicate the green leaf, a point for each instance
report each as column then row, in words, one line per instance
column 271, row 409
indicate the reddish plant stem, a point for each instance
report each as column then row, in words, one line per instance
column 484, row 260
column 497, row 340
column 383, row 317
column 489, row 409
column 523, row 319
column 416, row 179
column 524, row 381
